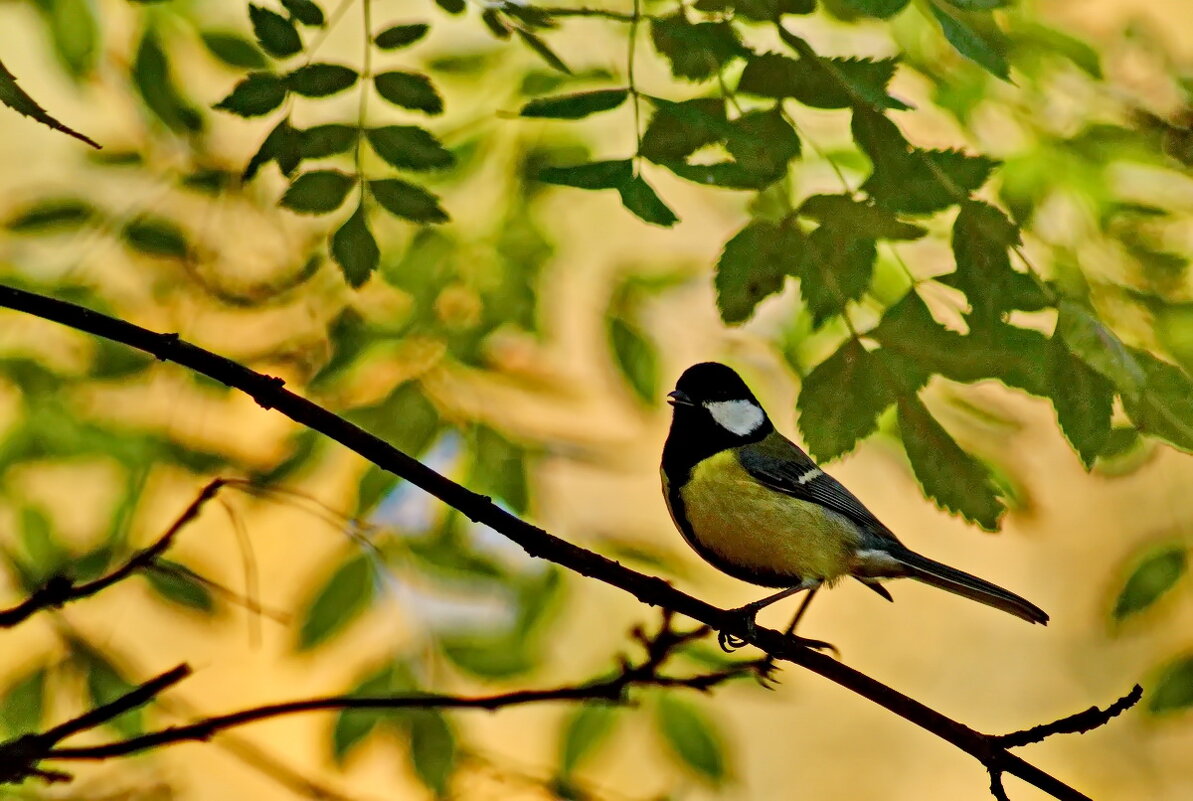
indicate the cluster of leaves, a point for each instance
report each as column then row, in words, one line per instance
column 410, row 148
column 831, row 244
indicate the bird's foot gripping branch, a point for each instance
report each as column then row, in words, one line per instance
column 990, row 750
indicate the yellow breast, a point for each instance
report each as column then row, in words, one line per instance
column 756, row 529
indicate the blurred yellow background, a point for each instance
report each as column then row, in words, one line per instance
column 1067, row 548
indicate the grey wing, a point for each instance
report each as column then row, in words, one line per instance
column 794, row 473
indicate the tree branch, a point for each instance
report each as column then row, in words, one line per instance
column 270, row 393
column 61, row 589
column 20, row 758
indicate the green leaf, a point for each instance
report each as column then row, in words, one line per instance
column 1014, row 355
column 982, row 236
column 772, row 10
column 23, row 704
column 979, row 5
column 755, row 264
column 1036, row 38
column 305, row 11
column 588, row 726
column 277, row 35
column 373, row 488
column 347, row 593
column 1094, row 343
column 54, row 214
column 691, row 736
column 842, row 397
column 1173, row 691
column 410, row 147
column 837, row 267
column 175, row 583
column 911, row 179
column 74, row 30
column 19, row 101
column 1083, row 399
column 679, row 129
column 821, row 82
column 318, row 192
column 303, row 446
column 397, row 36
column 536, row 43
column 45, row 556
column 151, row 76
column 353, row 725
column 575, row 106
column 106, row 683
column 156, row 236
column 354, row 248
column 882, row 9
column 1165, row 407
column 408, row 201
column 499, row 469
column 727, row 175
column 636, row 358
column 1154, row 574
column 489, row 656
column 952, row 478
column 409, row 90
column 640, row 198
column 233, row 49
column 259, row 93
column 696, row 50
column 405, row 418
column 432, row 749
column 320, row 80
column 452, row 6
column 283, row 145
column 867, row 219
column 594, row 175
column 975, row 36
column 763, row 143
column 325, row 140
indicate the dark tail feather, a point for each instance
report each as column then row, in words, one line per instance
column 956, row 581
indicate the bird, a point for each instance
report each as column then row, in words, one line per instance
column 754, row 505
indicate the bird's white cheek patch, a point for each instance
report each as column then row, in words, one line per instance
column 740, row 417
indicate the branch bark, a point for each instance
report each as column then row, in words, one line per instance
column 269, row 392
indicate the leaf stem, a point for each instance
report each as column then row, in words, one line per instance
column 366, row 16
column 632, row 48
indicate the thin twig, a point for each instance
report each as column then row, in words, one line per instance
column 19, row 758
column 60, row 589
column 1079, row 723
column 22, row 756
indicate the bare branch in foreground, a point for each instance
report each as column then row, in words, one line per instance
column 20, row 758
column 1079, row 723
column 61, row 589
column 270, row 393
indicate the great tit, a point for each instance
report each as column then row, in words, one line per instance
column 755, row 506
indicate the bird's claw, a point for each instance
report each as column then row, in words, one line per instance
column 731, row 642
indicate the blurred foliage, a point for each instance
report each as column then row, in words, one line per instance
column 378, row 178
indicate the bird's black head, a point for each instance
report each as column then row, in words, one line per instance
column 713, row 410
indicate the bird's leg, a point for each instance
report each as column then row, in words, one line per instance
column 766, row 670
column 747, row 613
column 799, row 613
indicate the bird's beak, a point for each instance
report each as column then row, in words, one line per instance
column 678, row 398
